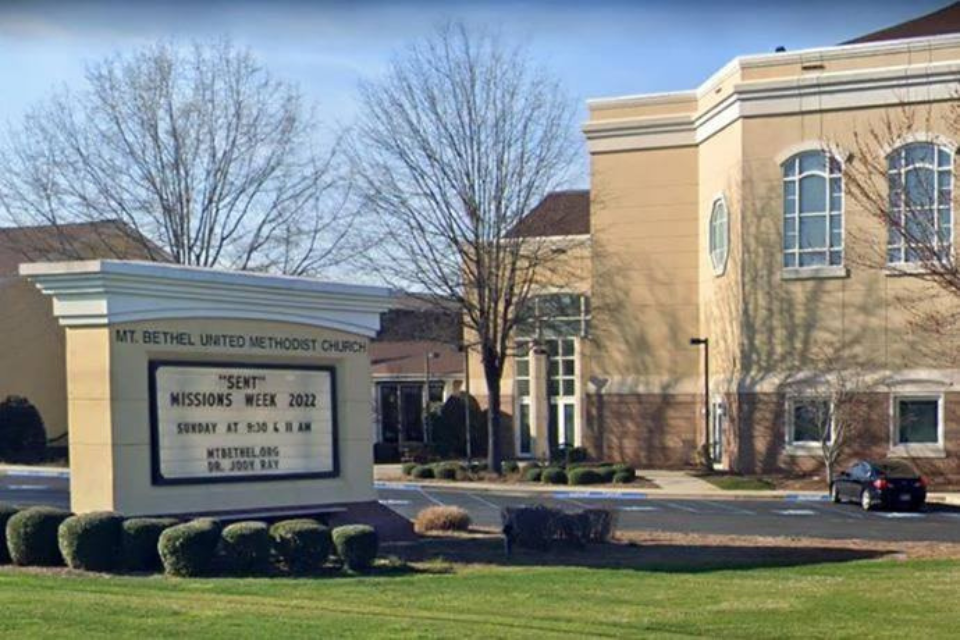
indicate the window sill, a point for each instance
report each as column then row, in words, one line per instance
column 917, row 451
column 811, row 449
column 814, row 273
column 906, row 269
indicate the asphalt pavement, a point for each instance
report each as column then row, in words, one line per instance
column 796, row 516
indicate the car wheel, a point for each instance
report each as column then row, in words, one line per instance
column 835, row 494
column 865, row 500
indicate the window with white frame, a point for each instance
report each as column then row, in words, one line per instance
column 917, row 420
column 521, row 380
column 809, row 420
column 812, row 210
column 719, row 236
column 920, row 180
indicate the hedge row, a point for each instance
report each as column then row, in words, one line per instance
column 103, row 541
column 579, row 474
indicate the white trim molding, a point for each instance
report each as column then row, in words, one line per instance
column 102, row 292
column 835, row 150
column 920, row 136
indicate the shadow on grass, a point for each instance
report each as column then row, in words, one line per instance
column 646, row 556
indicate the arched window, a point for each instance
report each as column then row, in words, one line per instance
column 812, row 210
column 719, row 236
column 920, row 228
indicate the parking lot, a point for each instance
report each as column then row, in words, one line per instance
column 637, row 511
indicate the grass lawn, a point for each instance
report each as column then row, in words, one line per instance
column 738, row 483
column 888, row 598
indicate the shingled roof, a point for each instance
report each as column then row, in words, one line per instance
column 940, row 22
column 561, row 213
column 81, row 241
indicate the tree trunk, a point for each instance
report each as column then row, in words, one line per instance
column 493, row 376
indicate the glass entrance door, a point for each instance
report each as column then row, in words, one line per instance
column 562, row 391
column 718, row 421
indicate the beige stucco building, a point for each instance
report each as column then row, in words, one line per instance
column 727, row 212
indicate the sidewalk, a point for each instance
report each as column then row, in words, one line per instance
column 671, row 485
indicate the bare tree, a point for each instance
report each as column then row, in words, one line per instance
column 459, row 140
column 832, row 405
column 203, row 157
column 904, row 184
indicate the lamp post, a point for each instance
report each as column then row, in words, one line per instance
column 705, row 342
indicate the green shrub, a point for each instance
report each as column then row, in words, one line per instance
column 91, row 541
column 448, row 431
column 138, row 542
column 479, row 467
column 422, row 472
column 245, row 548
column 606, row 472
column 625, row 476
column 553, row 475
column 6, row 511
column 447, row 470
column 188, row 549
column 511, row 466
column 532, row 474
column 356, row 545
column 574, row 455
column 302, row 545
column 32, row 536
column 407, row 468
column 584, row 475
column 23, row 438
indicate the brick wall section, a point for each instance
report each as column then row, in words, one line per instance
column 646, row 430
column 757, row 435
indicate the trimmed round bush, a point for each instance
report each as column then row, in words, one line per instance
column 138, row 542
column 511, row 466
column 32, row 536
column 584, row 475
column 625, row 475
column 357, row 545
column 532, row 474
column 188, row 549
column 606, row 472
column 407, row 468
column 6, row 511
column 553, row 475
column 422, row 472
column 91, row 541
column 23, row 437
column 245, row 547
column 302, row 545
column 442, row 518
column 446, row 470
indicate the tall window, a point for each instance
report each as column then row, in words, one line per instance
column 812, row 210
column 522, row 382
column 920, row 176
column 918, row 420
column 808, row 420
column 719, row 236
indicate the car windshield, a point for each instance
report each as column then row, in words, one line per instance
column 896, row 469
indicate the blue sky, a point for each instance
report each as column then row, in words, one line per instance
column 598, row 48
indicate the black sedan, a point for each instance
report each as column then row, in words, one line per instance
column 889, row 484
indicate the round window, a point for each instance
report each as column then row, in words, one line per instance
column 719, row 236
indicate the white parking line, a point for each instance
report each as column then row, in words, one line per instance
column 638, row 508
column 899, row 514
column 27, row 487
column 731, row 508
column 682, row 507
column 838, row 509
column 795, row 512
column 394, row 503
column 431, row 498
column 484, row 501
column 577, row 503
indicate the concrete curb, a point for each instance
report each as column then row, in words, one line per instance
column 19, row 471
column 610, row 493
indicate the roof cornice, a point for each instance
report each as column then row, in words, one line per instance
column 101, row 292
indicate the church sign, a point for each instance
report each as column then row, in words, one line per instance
column 228, row 422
